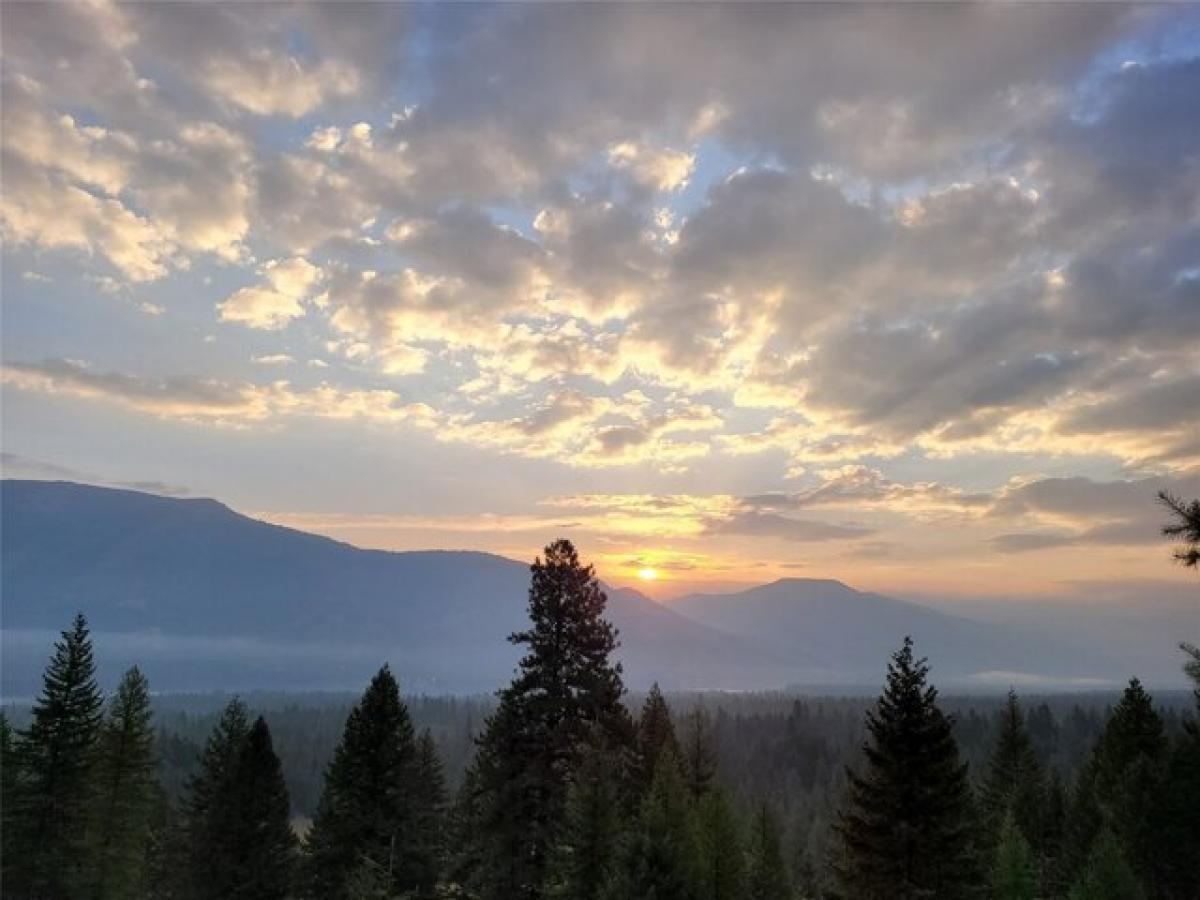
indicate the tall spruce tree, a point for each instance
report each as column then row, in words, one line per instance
column 126, row 793
column 57, row 756
column 258, row 846
column 368, row 810
column 204, row 838
column 566, row 692
column 722, row 872
column 9, row 772
column 906, row 831
column 1014, row 874
column 699, row 752
column 1014, row 784
column 427, row 844
column 662, row 860
column 584, row 865
column 655, row 734
column 766, row 871
column 1107, row 875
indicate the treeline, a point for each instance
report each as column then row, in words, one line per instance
column 570, row 796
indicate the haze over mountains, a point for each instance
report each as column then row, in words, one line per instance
column 205, row 598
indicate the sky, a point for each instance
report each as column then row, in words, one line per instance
column 907, row 296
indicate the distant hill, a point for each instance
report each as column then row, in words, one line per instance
column 205, row 598
column 220, row 600
column 850, row 634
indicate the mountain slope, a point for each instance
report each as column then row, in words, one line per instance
column 850, row 634
column 222, row 600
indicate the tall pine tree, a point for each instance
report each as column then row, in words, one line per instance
column 906, row 831
column 699, row 752
column 566, row 693
column 204, row 838
column 722, row 851
column 767, row 874
column 126, row 794
column 367, row 810
column 1014, row 782
column 258, row 846
column 57, row 757
column 427, row 844
column 1014, row 875
column 663, row 856
column 655, row 734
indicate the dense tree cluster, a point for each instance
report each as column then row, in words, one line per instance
column 567, row 796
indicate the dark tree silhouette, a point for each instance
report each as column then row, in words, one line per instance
column 1184, row 525
column 907, row 830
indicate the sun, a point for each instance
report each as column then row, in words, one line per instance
column 648, row 574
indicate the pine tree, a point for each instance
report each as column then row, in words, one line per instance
column 367, row 808
column 655, row 734
column 663, row 859
column 258, row 847
column 1108, row 875
column 699, row 752
column 1176, row 826
column 907, row 829
column 1014, row 875
column 126, row 794
column 1014, row 782
column 584, row 865
column 1130, row 760
column 767, row 875
column 722, row 855
column 8, row 794
column 57, row 756
column 566, row 692
column 426, row 850
column 203, row 837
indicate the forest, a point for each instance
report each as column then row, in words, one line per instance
column 565, row 785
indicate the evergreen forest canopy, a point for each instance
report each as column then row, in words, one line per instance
column 567, row 792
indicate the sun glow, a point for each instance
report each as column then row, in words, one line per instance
column 648, row 574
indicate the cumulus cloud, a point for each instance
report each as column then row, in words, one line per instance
column 287, row 284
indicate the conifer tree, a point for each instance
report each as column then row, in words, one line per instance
column 655, row 734
column 907, row 828
column 584, row 865
column 1177, row 818
column 699, row 752
column 57, row 760
column 367, row 810
column 663, row 859
column 426, row 850
column 203, row 838
column 1108, row 875
column 1014, row 782
column 767, row 875
column 8, row 794
column 722, row 852
column 566, row 692
column 258, row 855
column 126, row 794
column 1014, row 875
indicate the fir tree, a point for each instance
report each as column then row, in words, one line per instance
column 1014, row 782
column 57, row 759
column 566, row 691
column 1108, row 875
column 1176, row 826
column 1014, row 876
column 767, row 875
column 663, row 859
column 1184, row 525
column 126, row 794
column 208, row 791
column 655, row 734
column 368, row 807
column 8, row 795
column 722, row 855
column 258, row 847
column 585, row 862
column 426, row 850
column 906, row 831
column 699, row 752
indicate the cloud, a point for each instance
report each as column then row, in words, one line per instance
column 271, row 306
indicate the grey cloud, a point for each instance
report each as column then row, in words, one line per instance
column 763, row 524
